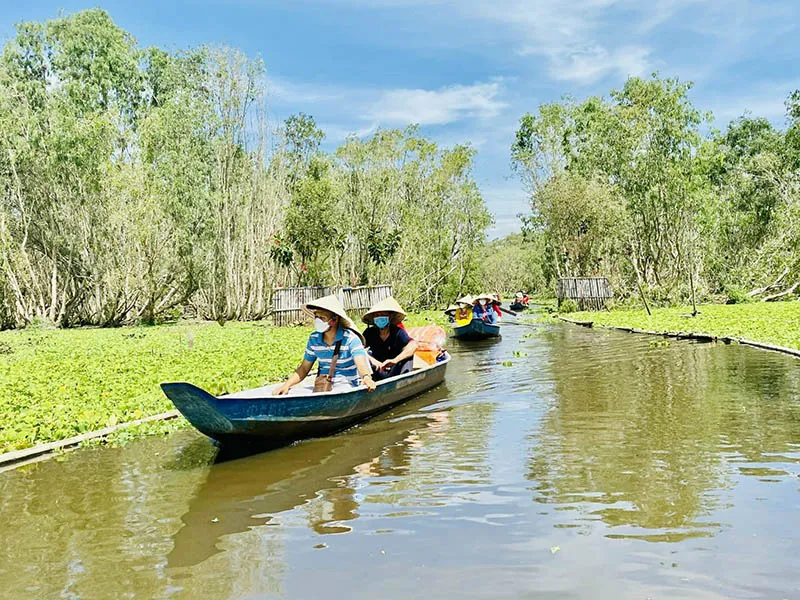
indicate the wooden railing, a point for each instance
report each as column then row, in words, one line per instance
column 589, row 293
column 287, row 303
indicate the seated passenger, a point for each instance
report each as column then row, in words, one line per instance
column 390, row 347
column 335, row 335
column 464, row 312
column 482, row 309
column 450, row 311
column 496, row 306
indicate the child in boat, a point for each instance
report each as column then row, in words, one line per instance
column 390, row 347
column 334, row 329
column 464, row 312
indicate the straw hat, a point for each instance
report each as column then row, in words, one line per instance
column 469, row 300
column 486, row 297
column 451, row 309
column 387, row 305
column 331, row 304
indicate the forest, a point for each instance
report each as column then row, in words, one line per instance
column 137, row 185
column 641, row 187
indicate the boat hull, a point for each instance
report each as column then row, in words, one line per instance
column 476, row 330
column 268, row 421
column 518, row 306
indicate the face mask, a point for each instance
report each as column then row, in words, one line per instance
column 381, row 322
column 483, row 302
column 320, row 325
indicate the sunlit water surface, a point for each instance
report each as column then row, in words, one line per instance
column 594, row 465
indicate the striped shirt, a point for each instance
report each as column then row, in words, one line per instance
column 317, row 349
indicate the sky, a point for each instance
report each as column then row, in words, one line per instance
column 467, row 70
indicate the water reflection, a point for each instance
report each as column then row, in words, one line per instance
column 642, row 441
column 559, row 462
column 239, row 495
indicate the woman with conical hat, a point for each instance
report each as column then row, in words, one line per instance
column 450, row 311
column 335, row 334
column 390, row 347
column 464, row 312
column 483, row 310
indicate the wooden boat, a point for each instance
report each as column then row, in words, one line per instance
column 518, row 306
column 476, row 330
column 257, row 418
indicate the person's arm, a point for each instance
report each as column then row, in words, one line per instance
column 362, row 364
column 407, row 351
column 300, row 373
column 365, row 371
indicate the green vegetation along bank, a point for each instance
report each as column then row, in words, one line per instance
column 57, row 383
column 773, row 323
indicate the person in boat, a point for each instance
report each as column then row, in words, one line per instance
column 390, row 348
column 450, row 311
column 496, row 302
column 464, row 312
column 335, row 333
column 482, row 309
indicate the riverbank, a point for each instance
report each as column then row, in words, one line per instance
column 59, row 383
column 776, row 323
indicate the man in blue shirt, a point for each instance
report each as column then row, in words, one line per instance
column 333, row 329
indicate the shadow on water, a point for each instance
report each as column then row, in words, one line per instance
column 242, row 492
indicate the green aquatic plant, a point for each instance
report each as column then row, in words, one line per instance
column 771, row 322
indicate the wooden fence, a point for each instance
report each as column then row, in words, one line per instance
column 287, row 303
column 589, row 293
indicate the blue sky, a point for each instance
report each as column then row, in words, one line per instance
column 466, row 70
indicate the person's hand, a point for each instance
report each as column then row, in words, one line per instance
column 369, row 383
column 281, row 391
column 388, row 364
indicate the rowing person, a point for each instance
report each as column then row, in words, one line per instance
column 335, row 334
column 390, row 347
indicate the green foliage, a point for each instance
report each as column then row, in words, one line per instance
column 772, row 322
column 139, row 183
column 60, row 383
column 736, row 294
column 627, row 187
column 512, row 263
column 567, row 305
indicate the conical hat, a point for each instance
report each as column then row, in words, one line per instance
column 451, row 309
column 331, row 304
column 465, row 300
column 387, row 305
column 486, row 297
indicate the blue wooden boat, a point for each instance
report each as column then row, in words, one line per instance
column 476, row 330
column 257, row 418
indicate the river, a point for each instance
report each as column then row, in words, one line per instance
column 558, row 462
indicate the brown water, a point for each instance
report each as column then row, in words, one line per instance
column 596, row 466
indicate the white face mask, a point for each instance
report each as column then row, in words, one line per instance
column 483, row 302
column 320, row 325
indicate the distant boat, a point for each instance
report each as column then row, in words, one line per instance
column 518, row 306
column 476, row 329
column 257, row 418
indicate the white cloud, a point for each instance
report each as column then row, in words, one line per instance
column 438, row 107
column 767, row 101
column 585, row 66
